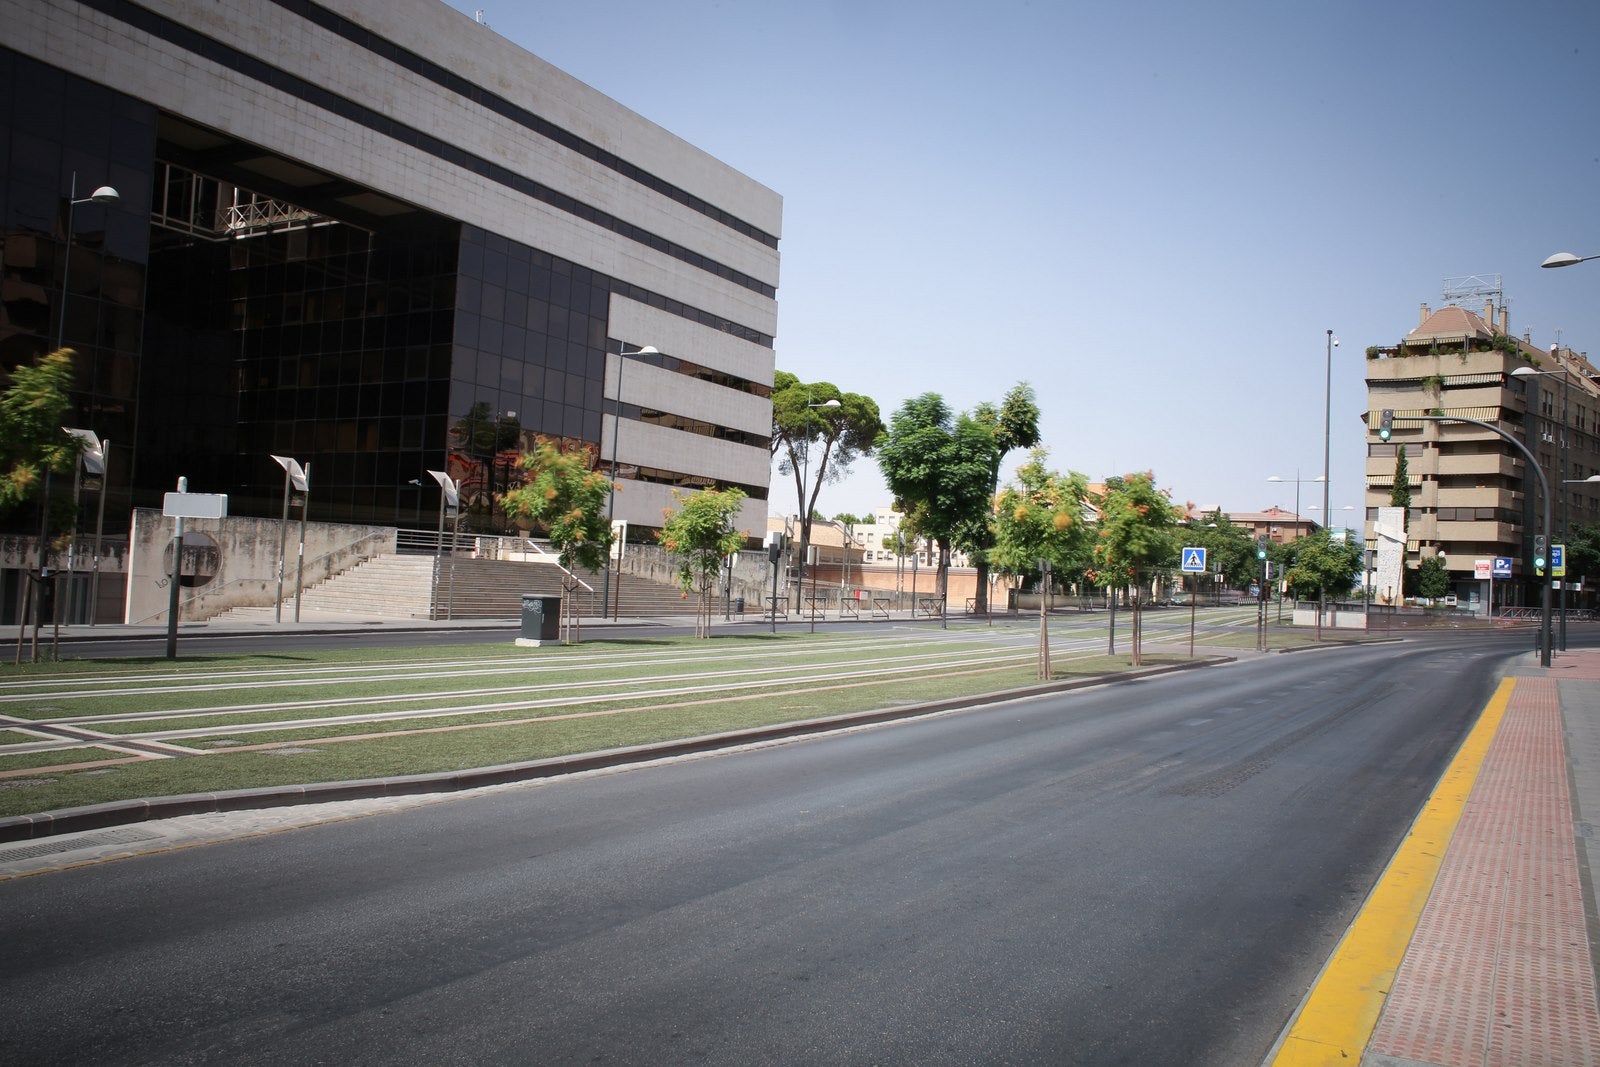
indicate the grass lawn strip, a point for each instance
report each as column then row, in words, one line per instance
column 231, row 725
column 62, row 759
column 414, row 753
column 377, row 694
column 398, row 672
column 783, row 710
column 20, row 737
column 559, row 658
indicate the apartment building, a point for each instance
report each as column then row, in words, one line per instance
column 1473, row 496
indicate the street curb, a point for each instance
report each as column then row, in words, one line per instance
column 122, row 812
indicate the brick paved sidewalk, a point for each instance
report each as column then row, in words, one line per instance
column 1500, row 970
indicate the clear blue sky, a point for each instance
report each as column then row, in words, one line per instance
column 1152, row 212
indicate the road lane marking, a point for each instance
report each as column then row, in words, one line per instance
column 1340, row 1013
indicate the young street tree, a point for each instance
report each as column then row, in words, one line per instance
column 701, row 534
column 1040, row 517
column 1137, row 534
column 1013, row 424
column 565, row 497
column 816, row 444
column 1321, row 565
column 939, row 467
column 32, row 409
column 1039, row 529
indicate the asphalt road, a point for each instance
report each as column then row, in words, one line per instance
column 1148, row 873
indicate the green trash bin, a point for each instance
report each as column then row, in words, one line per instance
column 541, row 619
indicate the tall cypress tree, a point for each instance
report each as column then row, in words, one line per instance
column 1400, row 493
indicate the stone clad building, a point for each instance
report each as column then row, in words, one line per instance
column 377, row 237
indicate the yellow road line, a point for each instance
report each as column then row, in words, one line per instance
column 1338, row 1017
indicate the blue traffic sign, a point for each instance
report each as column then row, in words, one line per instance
column 1502, row 567
column 1558, row 561
column 1194, row 561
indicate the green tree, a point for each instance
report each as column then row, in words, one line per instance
column 1228, row 546
column 938, row 466
column 1320, row 565
column 566, row 499
column 1433, row 578
column 1013, row 424
column 1583, row 553
column 815, row 444
column 1038, row 517
column 1137, row 535
column 1400, row 493
column 701, row 534
column 32, row 409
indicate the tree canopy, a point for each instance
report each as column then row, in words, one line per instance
column 938, row 466
column 32, row 409
column 568, row 499
column 1137, row 531
column 1040, row 516
column 701, row 534
column 1013, row 424
column 1229, row 548
column 815, row 444
column 1321, row 565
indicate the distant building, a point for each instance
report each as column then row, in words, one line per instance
column 1472, row 495
column 1275, row 524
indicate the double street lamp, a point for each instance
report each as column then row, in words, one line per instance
column 1298, row 482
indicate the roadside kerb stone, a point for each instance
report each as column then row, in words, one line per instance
column 122, row 812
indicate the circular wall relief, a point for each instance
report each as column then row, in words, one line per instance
column 201, row 559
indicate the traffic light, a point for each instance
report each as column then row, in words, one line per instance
column 1538, row 553
column 1386, row 424
column 1261, row 548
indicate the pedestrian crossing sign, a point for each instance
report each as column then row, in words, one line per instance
column 1194, row 560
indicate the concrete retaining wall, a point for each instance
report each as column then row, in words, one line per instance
column 240, row 555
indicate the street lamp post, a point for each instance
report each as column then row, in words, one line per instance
column 1298, row 482
column 1529, row 372
column 611, row 505
column 105, row 194
column 1544, row 488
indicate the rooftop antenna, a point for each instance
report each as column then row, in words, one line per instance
column 480, row 15
column 1473, row 285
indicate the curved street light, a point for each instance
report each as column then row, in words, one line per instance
column 1529, row 372
column 104, row 194
column 1566, row 259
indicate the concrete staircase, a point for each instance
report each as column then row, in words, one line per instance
column 383, row 587
column 399, row 587
column 493, row 589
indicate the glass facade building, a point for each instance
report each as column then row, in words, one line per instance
column 432, row 279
